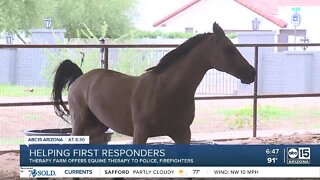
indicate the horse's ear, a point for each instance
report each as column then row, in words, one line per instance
column 217, row 30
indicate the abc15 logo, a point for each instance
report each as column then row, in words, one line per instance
column 299, row 153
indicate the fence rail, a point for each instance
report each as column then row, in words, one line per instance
column 105, row 50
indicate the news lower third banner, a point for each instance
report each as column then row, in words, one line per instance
column 85, row 160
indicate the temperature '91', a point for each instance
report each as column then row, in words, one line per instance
column 272, row 160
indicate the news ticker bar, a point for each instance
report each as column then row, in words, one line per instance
column 29, row 140
column 170, row 172
column 87, row 155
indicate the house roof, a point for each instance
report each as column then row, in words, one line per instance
column 174, row 13
column 265, row 8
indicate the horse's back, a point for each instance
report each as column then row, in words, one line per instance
column 101, row 80
column 108, row 96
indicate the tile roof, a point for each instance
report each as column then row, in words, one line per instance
column 265, row 8
column 174, row 13
column 294, row 2
column 269, row 8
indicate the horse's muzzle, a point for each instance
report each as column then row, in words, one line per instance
column 249, row 76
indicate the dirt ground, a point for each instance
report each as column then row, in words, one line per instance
column 209, row 117
column 208, row 125
column 10, row 160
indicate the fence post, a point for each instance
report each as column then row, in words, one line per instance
column 255, row 91
column 102, row 41
column 106, row 59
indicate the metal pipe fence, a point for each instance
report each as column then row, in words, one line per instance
column 105, row 63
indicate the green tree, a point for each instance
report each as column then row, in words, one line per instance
column 74, row 16
column 17, row 16
column 96, row 15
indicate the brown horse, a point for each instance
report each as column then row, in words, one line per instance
column 159, row 102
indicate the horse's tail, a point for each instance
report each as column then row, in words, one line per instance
column 66, row 73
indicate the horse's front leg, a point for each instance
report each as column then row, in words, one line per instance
column 181, row 136
column 140, row 134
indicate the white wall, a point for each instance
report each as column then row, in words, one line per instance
column 229, row 14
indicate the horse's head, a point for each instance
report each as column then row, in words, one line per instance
column 228, row 59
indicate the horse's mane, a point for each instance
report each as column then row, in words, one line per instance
column 177, row 54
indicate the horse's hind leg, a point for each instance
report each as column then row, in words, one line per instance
column 84, row 123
